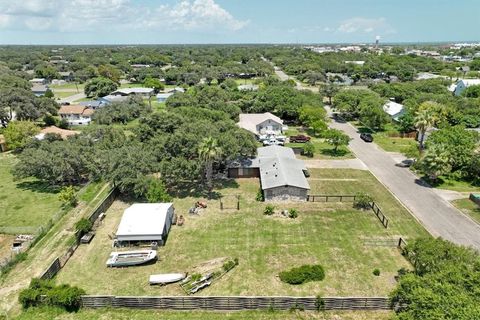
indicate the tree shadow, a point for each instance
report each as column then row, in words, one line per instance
column 198, row 190
column 427, row 183
column 331, row 153
column 38, row 186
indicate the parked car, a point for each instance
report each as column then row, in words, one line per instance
column 299, row 138
column 367, row 137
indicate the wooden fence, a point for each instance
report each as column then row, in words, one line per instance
column 330, row 198
column 238, row 303
column 402, row 243
column 383, row 219
column 59, row 262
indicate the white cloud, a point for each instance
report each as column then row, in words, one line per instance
column 365, row 25
column 116, row 15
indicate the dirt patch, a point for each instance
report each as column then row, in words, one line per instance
column 209, row 265
column 5, row 246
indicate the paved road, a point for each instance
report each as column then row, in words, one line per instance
column 438, row 216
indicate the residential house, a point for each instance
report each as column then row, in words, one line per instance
column 260, row 123
column 39, row 81
column 394, row 110
column 463, row 84
column 55, row 130
column 66, row 76
column 282, row 175
column 142, row 92
column 93, row 104
column 76, row 115
column 39, row 89
column 146, row 222
column 111, row 98
column 248, row 87
column 163, row 96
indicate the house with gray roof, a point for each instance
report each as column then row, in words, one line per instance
column 282, row 175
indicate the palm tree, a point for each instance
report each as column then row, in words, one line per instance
column 209, row 151
column 423, row 121
column 436, row 162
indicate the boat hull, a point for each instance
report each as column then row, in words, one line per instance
column 166, row 278
column 130, row 258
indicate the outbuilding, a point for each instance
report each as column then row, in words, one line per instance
column 146, row 222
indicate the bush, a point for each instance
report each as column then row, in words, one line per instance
column 260, row 196
column 376, row 272
column 292, row 213
column 83, row 225
column 63, row 124
column 309, row 149
column 362, row 201
column 49, row 120
column 319, row 303
column 68, row 196
column 63, row 296
column 230, row 264
column 303, row 274
column 269, row 210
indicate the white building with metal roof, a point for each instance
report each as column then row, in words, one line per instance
column 260, row 123
column 146, row 222
column 282, row 175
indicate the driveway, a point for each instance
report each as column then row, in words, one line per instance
column 436, row 214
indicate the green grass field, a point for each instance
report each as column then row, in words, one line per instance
column 391, row 144
column 125, row 314
column 469, row 208
column 334, row 235
column 68, row 85
column 24, row 203
column 322, row 149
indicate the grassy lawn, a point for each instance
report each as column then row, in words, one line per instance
column 131, row 85
column 469, row 208
column 334, row 235
column 25, row 203
column 455, row 185
column 157, row 106
column 61, row 95
column 322, row 149
column 69, row 85
column 391, row 144
column 123, row 314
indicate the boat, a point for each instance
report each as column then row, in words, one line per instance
column 130, row 258
column 166, row 278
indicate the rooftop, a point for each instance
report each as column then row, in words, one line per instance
column 144, row 219
column 249, row 121
column 76, row 109
column 52, row 129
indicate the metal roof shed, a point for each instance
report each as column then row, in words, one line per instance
column 146, row 222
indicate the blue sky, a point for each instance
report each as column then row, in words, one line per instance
column 236, row 21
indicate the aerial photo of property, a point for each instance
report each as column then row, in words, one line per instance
column 239, row 159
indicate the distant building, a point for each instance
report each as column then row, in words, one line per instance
column 111, row 98
column 260, row 123
column 282, row 175
column 38, row 81
column 248, row 87
column 463, row 84
column 76, row 115
column 358, row 63
column 92, row 104
column 39, row 89
column 55, row 130
column 142, row 92
column 394, row 110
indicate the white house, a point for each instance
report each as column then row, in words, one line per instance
column 282, row 175
column 464, row 84
column 143, row 92
column 394, row 110
column 39, row 81
column 260, row 123
column 146, row 222
column 76, row 115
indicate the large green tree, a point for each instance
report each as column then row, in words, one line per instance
column 99, row 87
column 18, row 133
column 336, row 138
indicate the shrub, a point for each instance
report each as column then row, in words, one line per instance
column 49, row 120
column 309, row 149
column 68, row 196
column 376, row 272
column 63, row 296
column 319, row 303
column 292, row 213
column 260, row 196
column 269, row 210
column 362, row 201
column 303, row 274
column 83, row 225
column 230, row 264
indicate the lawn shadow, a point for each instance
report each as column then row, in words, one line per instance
column 38, row 186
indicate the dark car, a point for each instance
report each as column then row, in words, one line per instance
column 367, row 137
column 299, row 139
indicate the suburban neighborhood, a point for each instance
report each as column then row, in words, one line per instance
column 322, row 173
